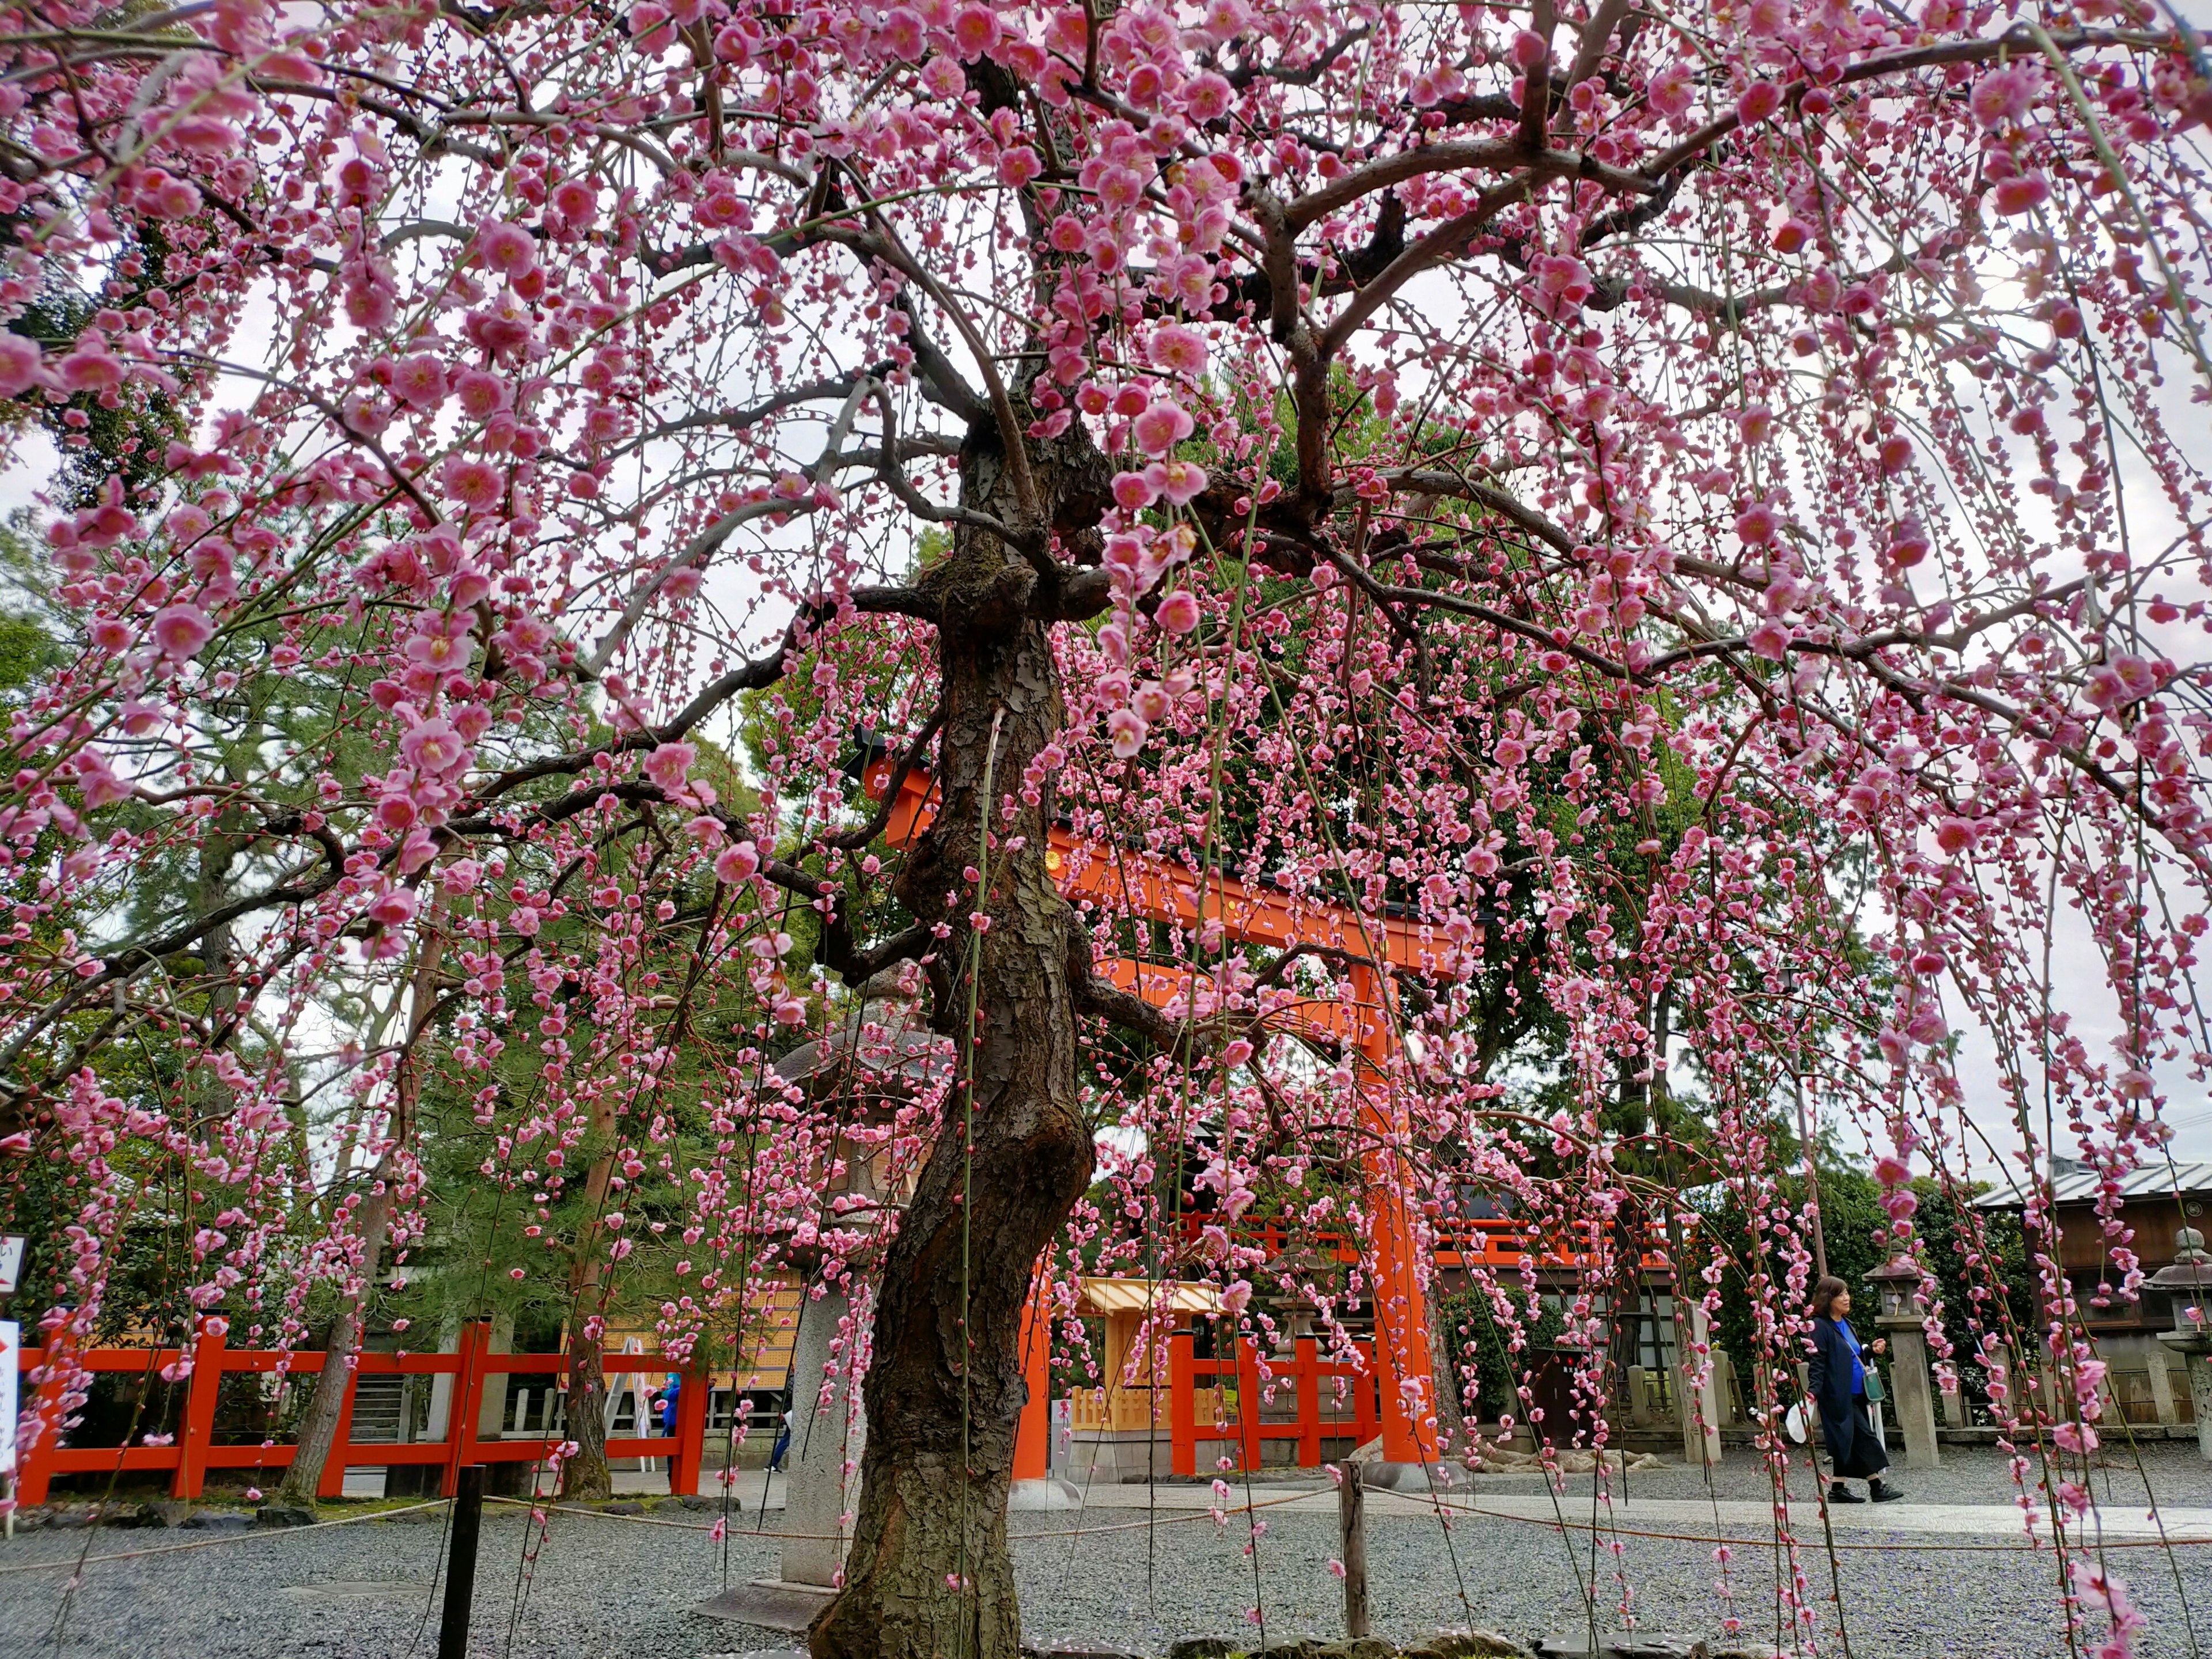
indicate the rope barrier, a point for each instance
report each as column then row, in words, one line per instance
column 1755, row 1543
column 832, row 1538
column 251, row 1536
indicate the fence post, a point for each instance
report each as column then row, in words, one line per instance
column 1309, row 1374
column 1352, row 1541
column 691, row 1397
column 1366, row 1421
column 35, row 1466
column 197, row 1430
column 1182, row 1405
column 461, row 1562
column 468, row 1401
column 332, row 1484
column 1248, row 1403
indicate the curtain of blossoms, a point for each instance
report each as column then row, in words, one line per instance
column 1681, row 504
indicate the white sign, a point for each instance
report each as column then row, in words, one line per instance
column 11, row 1262
column 11, row 1352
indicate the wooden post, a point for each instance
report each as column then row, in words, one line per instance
column 34, row 1469
column 1352, row 1538
column 1033, row 1431
column 333, row 1484
column 1183, row 1407
column 1309, row 1385
column 1364, row 1386
column 197, row 1430
column 461, row 1563
column 467, row 1402
column 691, row 1398
column 1247, row 1404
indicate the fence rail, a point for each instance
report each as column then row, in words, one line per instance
column 192, row 1451
column 1301, row 1374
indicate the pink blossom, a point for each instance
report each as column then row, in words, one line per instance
column 737, row 862
column 1178, row 612
column 1756, row 525
column 394, row 908
column 1134, row 491
column 432, row 746
column 1161, row 427
column 576, row 200
column 1769, row 639
column 2004, row 94
column 1759, row 100
column 975, row 31
column 507, row 248
column 20, row 364
column 2022, row 193
column 477, row 485
column 1128, row 733
column 90, row 368
column 182, row 630
column 1671, row 90
column 482, row 394
column 1178, row 481
column 1207, row 97
column 668, row 764
column 419, row 381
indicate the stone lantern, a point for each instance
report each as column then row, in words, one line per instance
column 2189, row 1282
column 1899, row 1310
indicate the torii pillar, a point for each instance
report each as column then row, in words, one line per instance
column 1405, row 1381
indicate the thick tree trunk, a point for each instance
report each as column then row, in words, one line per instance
column 319, row 1427
column 586, row 1477
column 928, row 1572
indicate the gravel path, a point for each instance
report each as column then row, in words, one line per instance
column 606, row 1586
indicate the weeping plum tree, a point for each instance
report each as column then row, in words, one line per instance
column 1680, row 507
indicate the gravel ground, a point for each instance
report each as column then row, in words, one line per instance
column 608, row 1586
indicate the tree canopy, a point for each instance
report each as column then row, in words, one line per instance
column 1695, row 519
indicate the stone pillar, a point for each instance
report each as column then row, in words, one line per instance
column 1729, row 1388
column 1955, row 1405
column 825, row 1434
column 1639, row 1398
column 2161, row 1387
column 2195, row 1349
column 1910, row 1389
column 1700, row 1410
column 491, row 1415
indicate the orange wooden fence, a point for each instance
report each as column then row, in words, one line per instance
column 191, row 1452
column 1302, row 1375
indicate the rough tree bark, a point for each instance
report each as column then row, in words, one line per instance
column 585, row 1476
column 319, row 1425
column 946, row 1389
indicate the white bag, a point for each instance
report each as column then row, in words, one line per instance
column 1793, row 1425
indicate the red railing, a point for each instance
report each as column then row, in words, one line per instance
column 192, row 1451
column 1302, row 1374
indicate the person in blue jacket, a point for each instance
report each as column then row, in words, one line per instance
column 1838, row 1377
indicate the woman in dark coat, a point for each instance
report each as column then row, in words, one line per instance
column 1839, row 1376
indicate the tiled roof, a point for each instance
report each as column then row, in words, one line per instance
column 2076, row 1183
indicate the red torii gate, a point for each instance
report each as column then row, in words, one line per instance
column 1152, row 888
